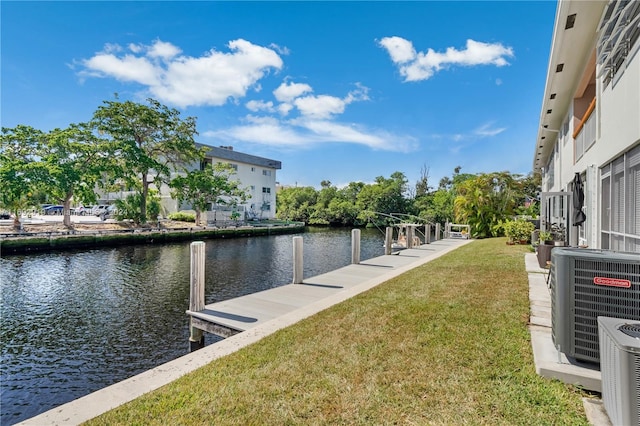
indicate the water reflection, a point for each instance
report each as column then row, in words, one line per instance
column 75, row 322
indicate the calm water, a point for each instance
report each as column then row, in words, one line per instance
column 74, row 322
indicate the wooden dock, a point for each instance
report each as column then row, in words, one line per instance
column 243, row 313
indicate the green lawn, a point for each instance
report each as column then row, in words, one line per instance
column 445, row 343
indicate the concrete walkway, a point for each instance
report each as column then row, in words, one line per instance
column 342, row 284
column 549, row 361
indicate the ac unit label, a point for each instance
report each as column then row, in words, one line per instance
column 612, row 282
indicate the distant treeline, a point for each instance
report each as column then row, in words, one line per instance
column 485, row 201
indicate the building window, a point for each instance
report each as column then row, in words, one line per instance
column 620, row 212
column 233, row 166
column 619, row 33
column 253, row 169
column 266, row 190
column 266, row 173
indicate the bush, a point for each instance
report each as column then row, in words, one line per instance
column 518, row 230
column 183, row 217
column 129, row 207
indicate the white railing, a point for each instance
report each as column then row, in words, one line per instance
column 586, row 137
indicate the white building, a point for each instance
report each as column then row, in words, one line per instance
column 590, row 123
column 256, row 174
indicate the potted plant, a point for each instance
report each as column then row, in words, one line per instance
column 545, row 237
column 544, row 248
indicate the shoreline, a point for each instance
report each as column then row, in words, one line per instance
column 48, row 236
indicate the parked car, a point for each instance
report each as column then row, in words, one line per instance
column 80, row 211
column 109, row 212
column 99, row 209
column 5, row 215
column 53, row 210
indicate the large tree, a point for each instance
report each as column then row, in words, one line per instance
column 486, row 201
column 296, row 203
column 201, row 188
column 385, row 196
column 152, row 142
column 71, row 163
column 18, row 171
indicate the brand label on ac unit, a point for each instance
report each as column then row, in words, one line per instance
column 612, row 282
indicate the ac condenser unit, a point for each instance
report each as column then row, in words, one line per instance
column 586, row 284
column 620, row 368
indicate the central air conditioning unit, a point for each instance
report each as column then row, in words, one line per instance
column 586, row 284
column 620, row 368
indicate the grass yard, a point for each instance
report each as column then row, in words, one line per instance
column 445, row 343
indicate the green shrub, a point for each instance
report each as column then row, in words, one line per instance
column 518, row 230
column 129, row 207
column 183, row 217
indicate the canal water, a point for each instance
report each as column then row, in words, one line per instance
column 77, row 321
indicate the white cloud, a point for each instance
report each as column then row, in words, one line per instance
column 416, row 66
column 320, row 107
column 161, row 49
column 260, row 106
column 211, row 79
column 486, row 130
column 126, row 68
column 313, row 123
column 326, row 106
column 305, row 133
column 399, row 49
column 287, row 92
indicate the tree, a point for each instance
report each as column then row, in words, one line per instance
column 18, row 174
column 71, row 163
column 422, row 185
column 486, row 201
column 210, row 185
column 386, row 196
column 296, row 203
column 151, row 141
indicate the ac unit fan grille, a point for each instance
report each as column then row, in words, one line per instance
column 591, row 301
column 632, row 330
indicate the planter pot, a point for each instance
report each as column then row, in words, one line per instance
column 544, row 254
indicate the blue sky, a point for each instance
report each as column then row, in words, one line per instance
column 337, row 91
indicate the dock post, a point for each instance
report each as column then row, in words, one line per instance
column 410, row 234
column 388, row 238
column 437, row 237
column 298, row 265
column 196, row 294
column 427, row 234
column 355, row 246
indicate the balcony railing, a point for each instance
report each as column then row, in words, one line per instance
column 585, row 133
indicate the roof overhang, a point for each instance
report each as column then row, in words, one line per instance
column 572, row 51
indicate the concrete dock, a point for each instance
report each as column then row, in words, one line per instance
column 258, row 315
column 252, row 317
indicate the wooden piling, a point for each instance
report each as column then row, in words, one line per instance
column 437, row 236
column 427, row 234
column 388, row 240
column 196, row 294
column 410, row 234
column 298, row 264
column 355, row 246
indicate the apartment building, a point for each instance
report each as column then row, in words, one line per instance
column 590, row 124
column 256, row 174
